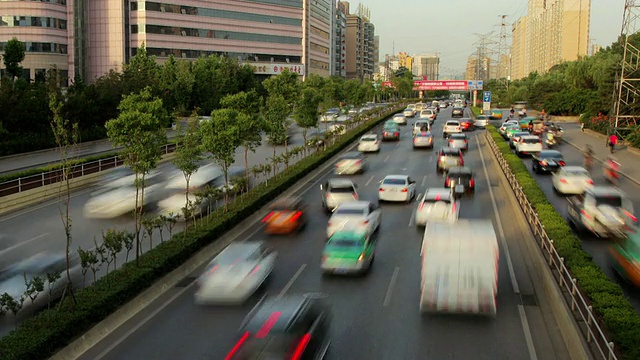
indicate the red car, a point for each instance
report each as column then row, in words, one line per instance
column 467, row 124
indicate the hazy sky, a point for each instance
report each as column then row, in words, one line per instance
column 447, row 26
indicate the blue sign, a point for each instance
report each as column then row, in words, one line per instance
column 480, row 84
column 486, row 96
column 471, row 84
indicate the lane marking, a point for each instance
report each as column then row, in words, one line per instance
column 369, row 181
column 398, row 144
column 293, row 280
column 431, row 159
column 392, row 283
column 503, row 240
column 527, row 333
column 15, row 246
column 413, row 213
column 424, row 181
column 387, row 158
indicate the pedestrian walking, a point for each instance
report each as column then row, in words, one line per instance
column 613, row 141
column 582, row 127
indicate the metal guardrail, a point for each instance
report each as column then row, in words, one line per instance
column 579, row 302
column 54, row 176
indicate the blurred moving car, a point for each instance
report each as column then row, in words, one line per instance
column 361, row 215
column 408, row 112
column 437, row 205
column 528, row 145
column 571, row 180
column 428, row 114
column 459, row 141
column 286, row 216
column 350, row 163
column 397, row 188
column 423, row 139
column 291, row 327
column 547, row 161
column 316, row 138
column 460, row 180
column 337, row 191
column 235, row 274
column 605, row 211
column 516, row 137
column 369, row 143
column 625, row 256
column 400, row 119
column 460, row 264
column 12, row 278
column 348, row 251
column 505, row 125
column 448, row 158
column 391, row 132
column 482, row 121
column 457, row 111
column 467, row 124
column 451, row 127
column 496, row 114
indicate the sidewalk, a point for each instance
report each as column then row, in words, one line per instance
column 629, row 158
column 19, row 162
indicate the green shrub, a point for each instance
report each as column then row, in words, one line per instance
column 620, row 320
column 40, row 336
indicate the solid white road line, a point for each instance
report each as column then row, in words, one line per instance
column 424, row 181
column 369, row 181
column 527, row 333
column 387, row 158
column 431, row 159
column 392, row 283
column 413, row 213
column 398, row 144
column 293, row 280
column 22, row 243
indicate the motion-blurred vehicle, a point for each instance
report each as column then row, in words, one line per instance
column 423, row 139
column 571, row 180
column 350, row 163
column 421, row 126
column 316, row 138
column 337, row 191
column 293, row 327
column 512, row 129
column 495, row 114
column 460, row 180
column 603, row 210
column 460, row 268
column 547, row 161
column 557, row 131
column 505, row 125
column 397, row 188
column 235, row 274
column 286, row 216
column 362, row 215
column 625, row 257
column 338, row 129
column 437, row 205
column 428, row 114
column 528, row 145
column 524, row 122
column 419, row 107
column 348, row 251
column 459, row 141
column 408, row 112
column 467, row 124
column 369, row 143
column 448, row 158
column 391, row 132
column 458, row 111
column 400, row 119
column 516, row 137
column 451, row 127
column 12, row 278
column 482, row 121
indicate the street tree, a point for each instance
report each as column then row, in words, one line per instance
column 140, row 132
column 189, row 154
column 275, row 119
column 176, row 84
column 221, row 138
column 247, row 104
column 67, row 139
column 140, row 72
column 14, row 52
column 306, row 111
column 287, row 84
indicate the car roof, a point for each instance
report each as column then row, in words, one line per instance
column 574, row 168
column 340, row 182
column 432, row 193
column 453, row 121
column 460, row 169
column 401, row 177
column 606, row 191
column 550, row 153
column 521, row 132
column 460, row 135
column 354, row 205
column 530, row 137
column 369, row 136
column 351, row 155
column 450, row 151
column 398, row 115
column 280, row 312
column 239, row 250
column 465, row 119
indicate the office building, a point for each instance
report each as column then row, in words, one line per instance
column 340, row 42
column 88, row 38
column 426, row 65
column 479, row 68
column 376, row 53
column 360, row 43
column 552, row 32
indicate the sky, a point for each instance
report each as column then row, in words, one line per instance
column 448, row 26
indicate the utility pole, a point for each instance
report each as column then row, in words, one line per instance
column 623, row 116
column 503, row 56
column 483, row 56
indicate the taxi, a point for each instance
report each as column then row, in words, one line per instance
column 285, row 217
column 349, row 251
column 625, row 257
column 496, row 114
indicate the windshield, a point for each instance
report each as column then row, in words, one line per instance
column 551, row 156
column 395, row 181
column 611, row 200
column 577, row 173
column 345, row 242
column 531, row 140
column 349, row 212
column 368, row 139
column 343, row 190
column 453, row 123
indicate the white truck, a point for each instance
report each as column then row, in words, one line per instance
column 603, row 210
column 460, row 268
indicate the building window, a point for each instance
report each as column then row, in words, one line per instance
column 319, row 64
column 220, row 34
column 222, row 14
column 34, row 21
column 39, row 47
column 134, row 5
column 134, row 29
column 323, row 34
column 194, row 54
column 319, row 48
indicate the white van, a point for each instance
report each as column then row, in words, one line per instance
column 421, row 126
column 460, row 268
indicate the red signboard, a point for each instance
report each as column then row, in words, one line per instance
column 436, row 85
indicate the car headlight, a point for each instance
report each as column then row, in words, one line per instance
column 361, row 257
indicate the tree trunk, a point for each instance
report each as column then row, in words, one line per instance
column 225, row 170
column 246, row 164
column 274, row 158
column 141, row 206
column 137, row 220
column 186, row 201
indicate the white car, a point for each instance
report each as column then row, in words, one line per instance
column 350, row 163
column 506, row 124
column 369, row 143
column 428, row 114
column 397, row 188
column 451, row 127
column 355, row 215
column 400, row 119
column 571, row 180
column 528, row 145
column 235, row 274
column 409, row 112
column 120, row 201
column 437, row 205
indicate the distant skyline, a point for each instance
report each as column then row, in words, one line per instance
column 448, row 27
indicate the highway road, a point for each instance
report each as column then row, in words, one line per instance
column 597, row 248
column 376, row 316
column 39, row 228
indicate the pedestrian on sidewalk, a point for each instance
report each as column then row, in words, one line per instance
column 613, row 141
column 582, row 126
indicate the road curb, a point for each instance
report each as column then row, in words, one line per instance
column 629, row 177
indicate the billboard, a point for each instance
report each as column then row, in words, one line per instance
column 276, row 68
column 452, row 85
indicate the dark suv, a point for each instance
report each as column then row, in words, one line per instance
column 294, row 327
column 448, row 158
column 460, row 175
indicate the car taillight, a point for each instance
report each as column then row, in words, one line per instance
column 472, row 183
column 631, row 216
column 255, row 270
column 301, row 347
column 543, row 163
column 396, row 134
column 564, row 181
column 405, row 190
column 466, row 142
column 590, row 182
column 450, row 141
column 461, row 161
column 583, row 212
column 355, row 196
column 359, row 162
column 237, row 347
column 365, row 222
column 296, row 216
column 421, row 205
column 562, row 163
column 447, row 182
column 266, row 218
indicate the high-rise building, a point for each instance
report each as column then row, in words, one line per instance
column 360, row 43
column 340, row 42
column 479, row 68
column 405, row 60
column 376, row 53
column 553, row 31
column 426, row 65
column 88, row 38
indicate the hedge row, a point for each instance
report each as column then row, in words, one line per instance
column 620, row 320
column 42, row 335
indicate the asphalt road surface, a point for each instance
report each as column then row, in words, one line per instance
column 376, row 316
